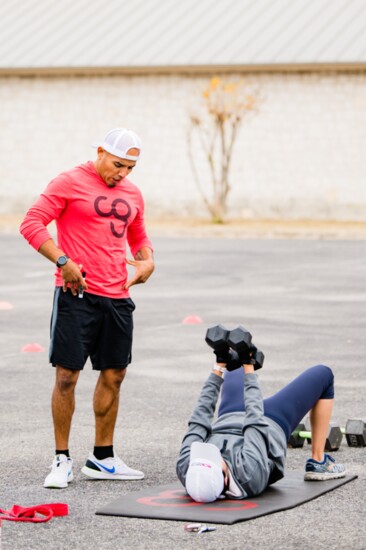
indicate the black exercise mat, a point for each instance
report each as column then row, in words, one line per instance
column 170, row 502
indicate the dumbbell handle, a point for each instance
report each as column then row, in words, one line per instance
column 307, row 435
column 304, row 435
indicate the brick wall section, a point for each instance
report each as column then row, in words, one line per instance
column 302, row 156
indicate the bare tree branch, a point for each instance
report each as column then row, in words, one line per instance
column 226, row 104
column 195, row 174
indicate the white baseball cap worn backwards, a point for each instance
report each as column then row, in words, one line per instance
column 119, row 141
column 204, row 479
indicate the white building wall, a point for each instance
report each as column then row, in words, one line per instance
column 302, row 157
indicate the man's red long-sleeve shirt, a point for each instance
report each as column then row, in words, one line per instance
column 94, row 222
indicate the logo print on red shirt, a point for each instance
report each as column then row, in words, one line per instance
column 123, row 217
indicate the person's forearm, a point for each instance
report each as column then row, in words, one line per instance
column 71, row 272
column 219, row 369
column 50, row 251
column 248, row 369
column 253, row 395
column 144, row 265
column 145, row 253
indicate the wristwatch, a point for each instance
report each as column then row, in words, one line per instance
column 61, row 261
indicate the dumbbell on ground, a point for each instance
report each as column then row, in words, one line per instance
column 355, row 432
column 332, row 443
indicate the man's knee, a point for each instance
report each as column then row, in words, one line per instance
column 66, row 379
column 113, row 378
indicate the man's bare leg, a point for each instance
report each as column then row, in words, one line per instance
column 106, row 402
column 63, row 405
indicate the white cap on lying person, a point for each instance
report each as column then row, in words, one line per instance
column 205, row 478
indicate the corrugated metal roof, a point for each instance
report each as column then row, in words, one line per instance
column 46, row 34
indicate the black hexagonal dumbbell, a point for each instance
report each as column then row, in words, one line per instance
column 332, row 443
column 216, row 338
column 297, row 438
column 257, row 357
column 240, row 340
column 355, row 432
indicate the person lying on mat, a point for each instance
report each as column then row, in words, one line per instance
column 244, row 450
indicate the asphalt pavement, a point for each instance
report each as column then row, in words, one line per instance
column 304, row 300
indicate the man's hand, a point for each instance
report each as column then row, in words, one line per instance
column 72, row 275
column 70, row 272
column 144, row 269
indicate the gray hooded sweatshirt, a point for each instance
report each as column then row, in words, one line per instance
column 253, row 446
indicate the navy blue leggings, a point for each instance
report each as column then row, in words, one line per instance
column 289, row 405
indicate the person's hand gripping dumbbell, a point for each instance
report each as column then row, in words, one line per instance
column 217, row 338
column 248, row 354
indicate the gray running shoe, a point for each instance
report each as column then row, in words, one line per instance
column 321, row 471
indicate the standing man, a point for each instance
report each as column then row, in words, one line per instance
column 97, row 212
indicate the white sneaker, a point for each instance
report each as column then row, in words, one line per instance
column 109, row 468
column 61, row 473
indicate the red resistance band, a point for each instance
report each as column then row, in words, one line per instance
column 46, row 511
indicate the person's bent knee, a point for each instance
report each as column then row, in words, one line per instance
column 324, row 370
column 325, row 373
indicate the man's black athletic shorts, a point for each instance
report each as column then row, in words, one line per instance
column 93, row 326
